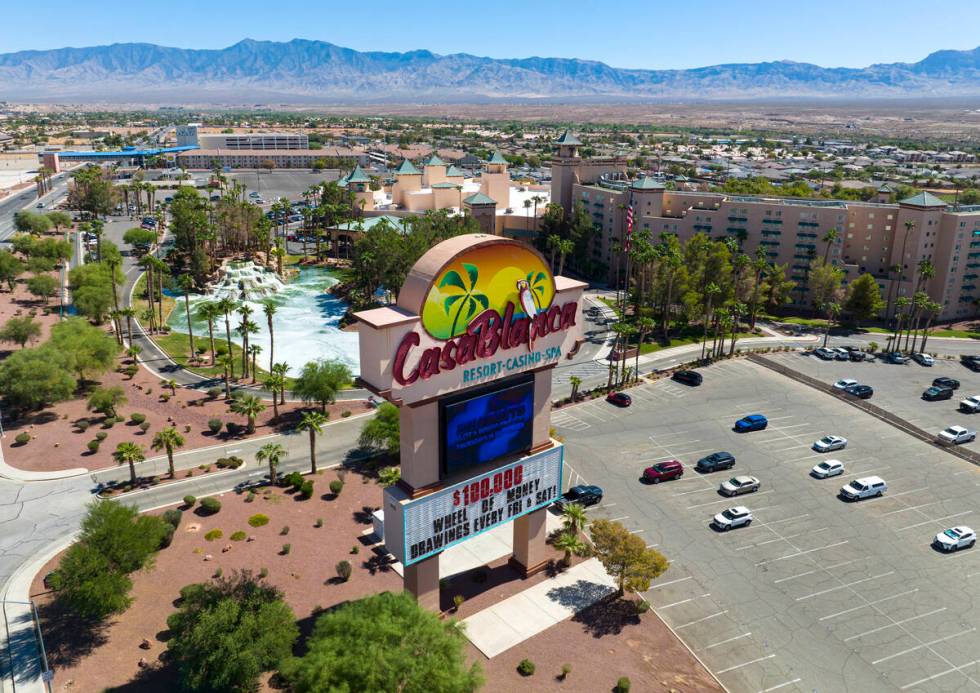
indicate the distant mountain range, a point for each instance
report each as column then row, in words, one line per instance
column 302, row 71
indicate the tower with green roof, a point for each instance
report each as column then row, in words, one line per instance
column 358, row 183
column 433, row 171
column 408, row 179
column 495, row 180
column 483, row 209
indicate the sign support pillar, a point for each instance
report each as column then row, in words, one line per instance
column 422, row 581
column 530, row 543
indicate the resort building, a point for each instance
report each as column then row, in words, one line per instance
column 872, row 237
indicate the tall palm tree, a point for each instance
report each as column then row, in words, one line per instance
column 901, row 304
column 245, row 311
column 909, row 227
column 129, row 453
column 527, row 217
column 280, row 370
column 227, row 363
column 273, row 383
column 269, row 308
column 186, row 283
column 254, row 350
column 312, row 422
column 710, row 291
column 248, row 406
column 209, row 311
column 226, row 306
column 829, row 239
column 273, row 454
column 644, row 326
column 932, row 310
column 894, row 269
column 168, row 439
column 128, row 313
column 564, row 248
column 576, row 383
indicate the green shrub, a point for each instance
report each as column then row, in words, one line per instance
column 172, row 517
column 284, row 531
column 214, row 393
column 344, row 569
column 458, row 600
column 214, row 425
column 263, row 573
column 189, row 501
column 101, row 435
column 525, row 668
column 336, row 486
column 306, row 490
column 319, row 523
column 250, row 496
column 23, row 438
column 566, row 669
column 293, row 479
column 642, row 607
column 168, row 536
column 137, row 418
column 258, row 520
column 119, row 419
column 238, row 536
column 210, row 505
column 345, row 413
column 233, row 428
column 234, row 462
column 214, row 533
column 286, row 548
column 145, row 426
column 355, row 549
column 622, row 685
column 93, row 446
column 82, row 425
column 221, row 462
column 109, row 423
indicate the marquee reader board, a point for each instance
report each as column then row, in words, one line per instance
column 433, row 523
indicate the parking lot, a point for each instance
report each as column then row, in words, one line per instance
column 898, row 388
column 817, row 594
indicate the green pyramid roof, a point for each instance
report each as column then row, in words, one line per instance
column 497, row 158
column 568, row 138
column 357, row 176
column 923, row 199
column 646, row 183
column 479, row 199
column 433, row 161
column 406, row 168
column 453, row 172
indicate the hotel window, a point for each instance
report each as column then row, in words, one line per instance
column 889, row 217
column 888, row 227
column 850, row 235
column 871, row 215
column 851, row 225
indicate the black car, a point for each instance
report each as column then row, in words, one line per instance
column 893, row 357
column 856, row 355
column 860, row 391
column 692, row 378
column 583, row 495
column 716, row 461
column 971, row 362
column 951, row 383
column 934, row 393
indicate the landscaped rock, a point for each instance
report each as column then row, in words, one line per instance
column 145, row 644
column 208, row 557
column 143, row 663
column 226, row 548
column 250, row 538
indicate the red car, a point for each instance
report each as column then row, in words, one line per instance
column 663, row 471
column 620, row 399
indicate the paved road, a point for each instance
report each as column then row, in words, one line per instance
column 816, row 594
column 28, row 200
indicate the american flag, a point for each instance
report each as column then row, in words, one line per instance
column 629, row 228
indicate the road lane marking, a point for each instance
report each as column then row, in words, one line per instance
column 683, row 601
column 894, row 624
column 911, row 507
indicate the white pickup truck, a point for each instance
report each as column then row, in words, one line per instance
column 954, row 435
column 971, row 404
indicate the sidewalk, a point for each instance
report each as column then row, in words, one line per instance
column 521, row 617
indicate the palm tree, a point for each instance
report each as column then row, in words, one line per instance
column 312, row 422
column 829, row 238
column 269, row 308
column 623, row 332
column 227, row 364
column 248, row 406
column 932, row 310
column 280, row 370
column 469, row 300
column 564, row 248
column 254, row 350
column 900, row 306
column 273, row 454
column 168, row 439
column 570, row 544
column 209, row 311
column 134, row 351
column 172, row 384
column 186, row 283
column 894, row 269
column 909, row 227
column 709, row 292
column 244, row 330
column 273, row 383
column 129, row 453
column 527, row 217
column 833, row 312
column 574, row 518
column 576, row 383
column 552, row 243
column 644, row 326
column 226, row 306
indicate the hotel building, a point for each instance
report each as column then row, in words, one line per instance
column 872, row 236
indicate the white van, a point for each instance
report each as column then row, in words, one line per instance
column 868, row 487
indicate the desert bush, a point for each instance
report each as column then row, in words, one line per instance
column 286, row 548
column 189, row 501
column 566, row 669
column 101, row 435
column 622, row 685
column 137, row 418
column 345, row 413
column 344, row 569
column 23, row 438
column 93, row 446
column 238, row 536
column 284, row 531
column 82, row 425
column 214, row 533
column 319, row 523
column 109, row 423
column 214, row 392
column 642, row 607
column 168, row 536
column 145, row 426
column 233, row 428
column 210, row 505
column 250, row 496
column 258, row 520
column 293, row 479
column 458, row 600
column 214, row 425
column 525, row 668
column 336, row 486
column 306, row 490
column 355, row 549
column 172, row 517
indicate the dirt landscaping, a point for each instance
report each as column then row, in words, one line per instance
column 58, row 444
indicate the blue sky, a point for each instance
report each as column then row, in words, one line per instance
column 622, row 33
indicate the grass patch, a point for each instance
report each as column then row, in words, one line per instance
column 176, row 345
column 612, row 304
column 140, row 303
column 963, row 334
column 650, row 347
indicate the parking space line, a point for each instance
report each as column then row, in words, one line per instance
column 781, row 685
column 672, row 582
column 637, row 531
column 728, row 500
column 699, row 490
column 863, row 471
column 936, row 676
column 895, row 623
column 911, row 507
column 925, row 644
column 714, row 615
column 845, row 586
column 817, row 570
column 794, row 447
column 802, row 553
column 780, row 538
column 744, row 664
column 617, row 519
column 936, row 519
column 723, row 642
column 683, row 601
column 864, row 606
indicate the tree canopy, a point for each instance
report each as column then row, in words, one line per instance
column 384, row 642
column 626, row 557
column 382, row 431
column 320, row 380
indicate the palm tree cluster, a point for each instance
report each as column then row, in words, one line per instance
column 914, row 316
column 212, row 311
